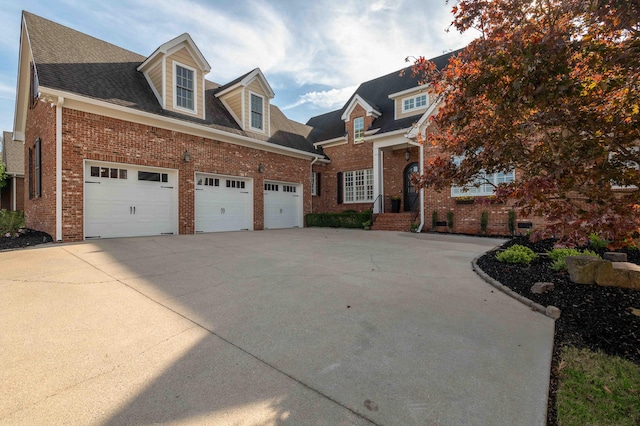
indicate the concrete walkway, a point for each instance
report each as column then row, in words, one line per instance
column 305, row 326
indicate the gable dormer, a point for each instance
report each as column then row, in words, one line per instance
column 248, row 98
column 175, row 72
column 410, row 102
column 358, row 118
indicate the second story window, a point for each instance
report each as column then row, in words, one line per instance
column 257, row 113
column 414, row 102
column 184, row 87
column 358, row 130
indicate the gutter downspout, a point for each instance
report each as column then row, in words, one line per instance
column 59, row 168
column 421, row 190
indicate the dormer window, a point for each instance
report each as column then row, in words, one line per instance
column 184, row 87
column 414, row 102
column 257, row 112
column 358, row 130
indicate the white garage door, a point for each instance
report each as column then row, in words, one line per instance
column 223, row 203
column 282, row 205
column 122, row 200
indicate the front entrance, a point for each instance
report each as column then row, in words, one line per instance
column 410, row 192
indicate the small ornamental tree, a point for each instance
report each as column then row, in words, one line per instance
column 551, row 89
column 3, row 176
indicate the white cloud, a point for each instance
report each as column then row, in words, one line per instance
column 326, row 99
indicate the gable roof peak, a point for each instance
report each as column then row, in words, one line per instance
column 246, row 79
column 169, row 46
column 369, row 107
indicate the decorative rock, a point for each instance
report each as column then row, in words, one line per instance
column 540, row 288
column 582, row 269
column 619, row 274
column 552, row 312
column 615, row 256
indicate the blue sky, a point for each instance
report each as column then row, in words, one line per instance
column 313, row 53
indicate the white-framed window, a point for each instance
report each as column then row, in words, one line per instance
column 358, row 130
column 414, row 102
column 257, row 112
column 358, row 186
column 313, row 183
column 184, row 77
column 484, row 188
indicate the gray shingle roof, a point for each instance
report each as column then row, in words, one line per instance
column 376, row 92
column 72, row 61
column 12, row 154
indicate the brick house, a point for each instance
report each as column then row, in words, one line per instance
column 120, row 144
column 372, row 144
column 12, row 195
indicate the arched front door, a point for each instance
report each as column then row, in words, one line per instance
column 410, row 192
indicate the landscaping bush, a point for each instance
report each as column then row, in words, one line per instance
column 559, row 257
column 517, row 254
column 597, row 243
column 338, row 220
column 11, row 223
column 484, row 221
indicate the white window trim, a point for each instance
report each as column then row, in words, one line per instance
column 471, row 191
column 264, row 125
column 355, row 138
column 193, row 111
column 415, row 98
column 344, row 186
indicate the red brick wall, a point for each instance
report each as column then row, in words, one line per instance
column 344, row 158
column 40, row 212
column 95, row 137
column 355, row 157
column 20, row 188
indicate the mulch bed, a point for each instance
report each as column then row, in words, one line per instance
column 27, row 239
column 594, row 317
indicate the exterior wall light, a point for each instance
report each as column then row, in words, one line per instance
column 407, row 155
column 260, row 168
column 186, row 156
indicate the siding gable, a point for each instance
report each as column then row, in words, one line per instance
column 160, row 71
column 236, row 97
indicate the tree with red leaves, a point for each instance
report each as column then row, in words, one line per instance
column 550, row 88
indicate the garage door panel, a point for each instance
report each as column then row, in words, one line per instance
column 223, row 203
column 282, row 205
column 119, row 204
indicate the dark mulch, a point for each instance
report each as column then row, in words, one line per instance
column 26, row 239
column 594, row 317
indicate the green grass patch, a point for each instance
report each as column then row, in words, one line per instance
column 597, row 389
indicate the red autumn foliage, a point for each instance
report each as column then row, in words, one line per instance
column 552, row 89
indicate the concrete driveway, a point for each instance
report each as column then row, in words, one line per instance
column 304, row 326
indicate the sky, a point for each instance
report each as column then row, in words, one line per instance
column 314, row 54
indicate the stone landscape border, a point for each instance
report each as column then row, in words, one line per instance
column 550, row 311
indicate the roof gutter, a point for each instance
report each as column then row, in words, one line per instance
column 184, row 126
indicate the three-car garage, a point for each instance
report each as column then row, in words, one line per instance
column 122, row 200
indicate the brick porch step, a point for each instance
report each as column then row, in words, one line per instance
column 393, row 222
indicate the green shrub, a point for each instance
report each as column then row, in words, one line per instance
column 337, row 220
column 559, row 257
column 512, row 222
column 597, row 243
column 11, row 223
column 450, row 219
column 517, row 254
column 484, row 221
